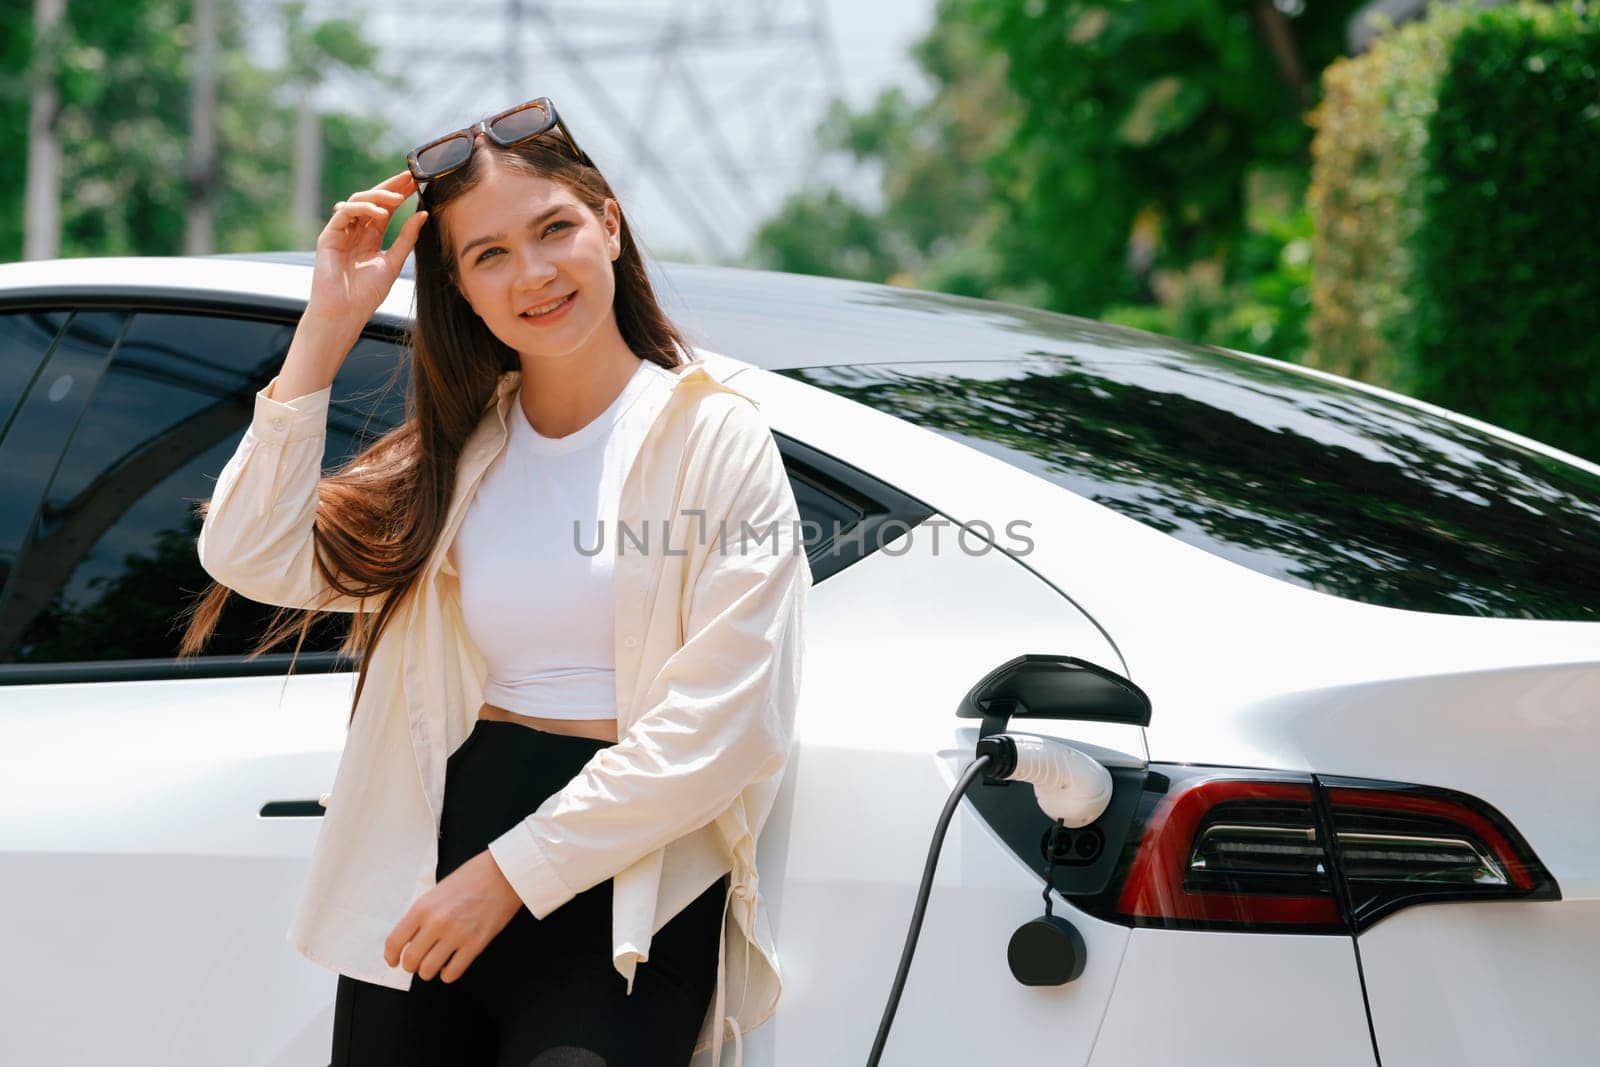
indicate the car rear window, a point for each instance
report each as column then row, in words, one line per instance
column 1312, row 482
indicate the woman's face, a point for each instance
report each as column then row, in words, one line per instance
column 522, row 242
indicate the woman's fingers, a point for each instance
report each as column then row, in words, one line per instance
column 357, row 221
column 357, row 225
column 405, row 240
column 432, row 963
column 348, row 210
column 462, row 959
column 383, row 197
column 395, row 944
column 402, row 183
column 418, row 948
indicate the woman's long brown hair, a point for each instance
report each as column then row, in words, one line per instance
column 380, row 516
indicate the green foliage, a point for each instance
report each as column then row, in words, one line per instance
column 316, row 47
column 820, row 231
column 16, row 52
column 1264, row 310
column 938, row 207
column 1454, row 196
column 1149, row 111
column 1094, row 158
column 1365, row 195
column 123, row 128
column 123, row 72
column 359, row 151
column 1508, row 251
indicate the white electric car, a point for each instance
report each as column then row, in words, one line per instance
column 1356, row 822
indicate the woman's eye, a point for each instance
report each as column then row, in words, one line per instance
column 488, row 252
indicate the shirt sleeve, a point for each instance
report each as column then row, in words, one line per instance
column 256, row 538
column 720, row 712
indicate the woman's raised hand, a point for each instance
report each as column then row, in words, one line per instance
column 353, row 271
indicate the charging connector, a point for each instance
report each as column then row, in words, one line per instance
column 1068, row 785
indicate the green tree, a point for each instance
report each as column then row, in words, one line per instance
column 124, row 70
column 1139, row 161
column 938, row 205
column 1151, row 114
column 16, row 57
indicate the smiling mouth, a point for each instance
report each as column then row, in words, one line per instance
column 535, row 313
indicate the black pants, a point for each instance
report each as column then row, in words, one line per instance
column 542, row 993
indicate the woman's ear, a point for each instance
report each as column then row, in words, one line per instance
column 612, row 220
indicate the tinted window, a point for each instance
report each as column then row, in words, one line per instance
column 847, row 515
column 25, row 340
column 54, row 395
column 816, row 504
column 1309, row 481
column 111, row 562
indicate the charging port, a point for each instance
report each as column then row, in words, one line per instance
column 1073, row 848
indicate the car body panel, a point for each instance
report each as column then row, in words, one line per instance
column 1482, row 985
column 1203, row 998
column 152, row 887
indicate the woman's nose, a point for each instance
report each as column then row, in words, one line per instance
column 534, row 272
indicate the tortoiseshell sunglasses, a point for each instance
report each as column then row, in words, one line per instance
column 513, row 126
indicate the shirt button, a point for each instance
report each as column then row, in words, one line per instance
column 629, row 641
column 278, row 424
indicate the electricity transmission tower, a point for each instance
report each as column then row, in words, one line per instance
column 701, row 112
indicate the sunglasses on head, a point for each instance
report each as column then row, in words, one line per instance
column 511, row 127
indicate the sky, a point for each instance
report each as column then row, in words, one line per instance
column 700, row 112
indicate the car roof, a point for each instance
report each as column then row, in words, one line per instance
column 770, row 319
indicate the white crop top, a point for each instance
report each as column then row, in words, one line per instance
column 535, row 556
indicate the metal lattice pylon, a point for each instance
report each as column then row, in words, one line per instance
column 701, row 112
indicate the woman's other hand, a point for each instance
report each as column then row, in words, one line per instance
column 353, row 271
column 448, row 926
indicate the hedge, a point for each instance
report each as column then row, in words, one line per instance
column 1456, row 197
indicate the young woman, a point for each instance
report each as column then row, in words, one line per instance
column 577, row 591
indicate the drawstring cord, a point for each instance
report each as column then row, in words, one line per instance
column 745, row 891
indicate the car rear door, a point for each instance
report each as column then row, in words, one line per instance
column 161, row 813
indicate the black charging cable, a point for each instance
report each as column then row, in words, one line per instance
column 973, row 770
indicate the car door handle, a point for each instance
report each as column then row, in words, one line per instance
column 291, row 809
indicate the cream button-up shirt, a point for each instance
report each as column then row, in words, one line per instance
column 711, row 592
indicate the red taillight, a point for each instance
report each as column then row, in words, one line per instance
column 1231, row 852
column 1452, row 844
column 1217, row 848
column 1402, row 845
